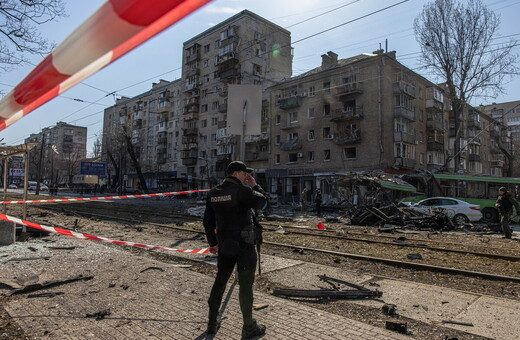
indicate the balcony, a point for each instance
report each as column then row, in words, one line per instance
column 190, row 131
column 187, row 161
column 163, row 106
column 474, row 140
column 231, row 73
column 404, row 87
column 138, row 114
column 290, row 125
column 434, row 145
column 403, row 112
column 404, row 137
column 193, row 86
column 291, row 145
column 474, row 157
column 138, row 124
column 345, row 90
column 347, row 137
column 256, row 156
column 434, row 124
column 223, row 157
column 162, row 127
column 222, row 108
column 228, row 64
column 434, row 104
column 347, row 113
column 192, row 72
column 193, row 57
column 221, row 124
column 234, row 39
column 289, row 103
column 474, row 124
column 407, row 163
column 497, row 163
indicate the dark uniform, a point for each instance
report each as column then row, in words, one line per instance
column 229, row 223
column 505, row 203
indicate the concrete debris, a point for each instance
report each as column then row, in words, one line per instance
column 400, row 327
column 280, row 230
column 99, row 315
column 389, row 309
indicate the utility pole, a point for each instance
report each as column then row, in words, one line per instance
column 40, row 166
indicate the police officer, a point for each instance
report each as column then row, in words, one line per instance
column 505, row 203
column 230, row 230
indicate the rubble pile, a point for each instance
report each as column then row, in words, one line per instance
column 399, row 216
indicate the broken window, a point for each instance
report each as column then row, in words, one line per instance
column 326, row 155
column 349, row 153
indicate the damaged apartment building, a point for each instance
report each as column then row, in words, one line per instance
column 368, row 113
column 362, row 113
column 178, row 129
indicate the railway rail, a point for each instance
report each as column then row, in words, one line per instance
column 392, row 262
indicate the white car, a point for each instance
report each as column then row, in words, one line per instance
column 459, row 211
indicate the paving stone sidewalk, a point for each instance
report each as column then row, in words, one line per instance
column 138, row 298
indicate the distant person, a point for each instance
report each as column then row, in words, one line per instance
column 303, row 199
column 504, row 204
column 317, row 200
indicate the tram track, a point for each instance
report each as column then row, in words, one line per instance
column 322, row 250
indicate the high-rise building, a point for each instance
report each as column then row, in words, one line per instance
column 61, row 148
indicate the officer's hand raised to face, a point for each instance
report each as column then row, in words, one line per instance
column 250, row 180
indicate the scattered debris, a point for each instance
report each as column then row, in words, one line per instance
column 49, row 284
column 152, row 268
column 61, row 248
column 259, row 306
column 414, row 256
column 19, row 259
column 329, row 294
column 9, row 284
column 280, row 230
column 125, row 287
column 111, row 285
column 298, row 250
column 99, row 315
column 458, row 323
column 389, row 309
column 49, row 294
column 335, row 293
column 32, row 249
column 400, row 327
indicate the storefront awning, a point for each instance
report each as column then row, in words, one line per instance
column 397, row 186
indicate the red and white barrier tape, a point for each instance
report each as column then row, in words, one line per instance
column 115, row 29
column 95, row 238
column 163, row 194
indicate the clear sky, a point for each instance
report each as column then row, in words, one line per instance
column 161, row 57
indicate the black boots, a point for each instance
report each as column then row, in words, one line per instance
column 252, row 330
column 213, row 327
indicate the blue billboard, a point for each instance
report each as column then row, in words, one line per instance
column 93, row 168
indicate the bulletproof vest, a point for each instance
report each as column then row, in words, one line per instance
column 227, row 201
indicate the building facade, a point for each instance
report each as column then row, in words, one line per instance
column 57, row 157
column 362, row 113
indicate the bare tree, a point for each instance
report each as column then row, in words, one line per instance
column 457, row 45
column 97, row 147
column 19, row 35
